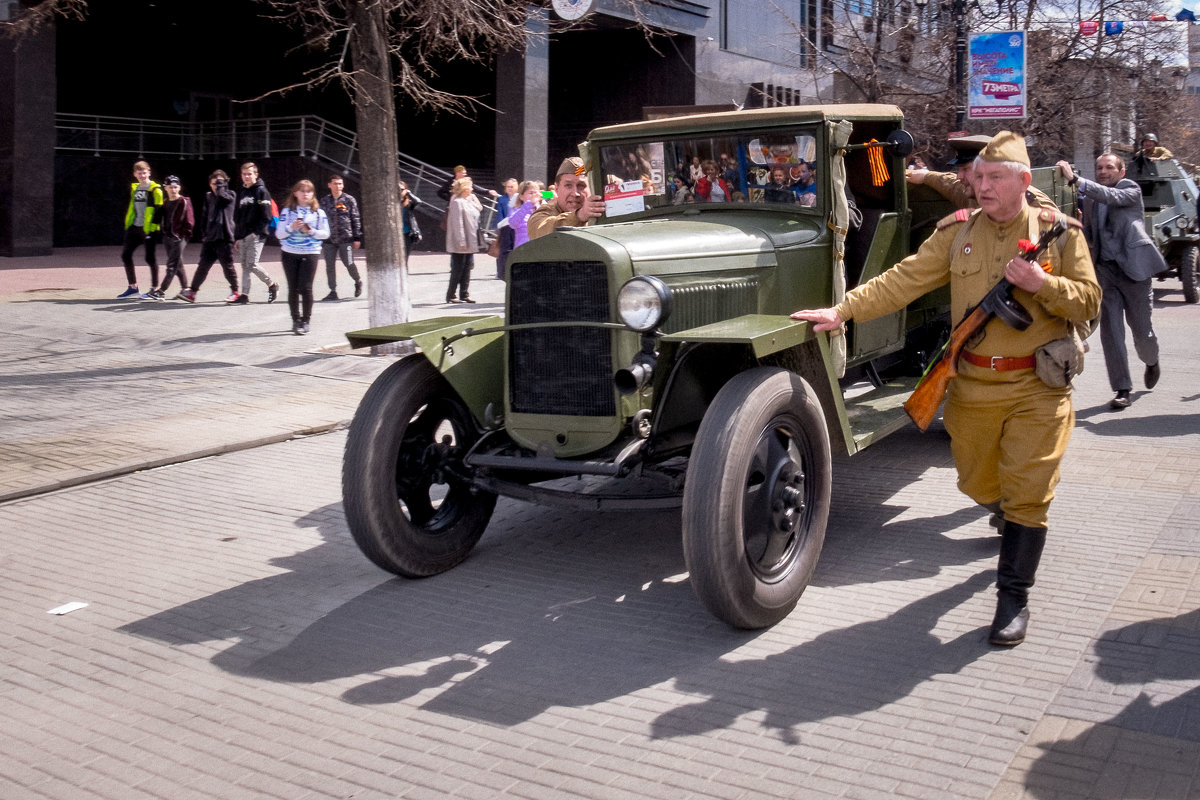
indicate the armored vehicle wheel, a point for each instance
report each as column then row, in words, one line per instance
column 1187, row 272
column 757, row 497
column 408, row 507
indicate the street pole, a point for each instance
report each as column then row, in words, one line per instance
column 959, row 10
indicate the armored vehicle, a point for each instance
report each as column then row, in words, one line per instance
column 1172, row 208
column 651, row 359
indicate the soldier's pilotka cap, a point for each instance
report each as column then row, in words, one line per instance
column 1006, row 146
column 966, row 148
column 570, row 166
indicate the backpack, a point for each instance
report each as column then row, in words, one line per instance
column 274, row 223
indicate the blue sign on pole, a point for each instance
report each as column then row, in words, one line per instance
column 996, row 84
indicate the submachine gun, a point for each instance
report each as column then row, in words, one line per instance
column 923, row 404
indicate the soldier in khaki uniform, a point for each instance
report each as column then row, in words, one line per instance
column 571, row 206
column 1152, row 150
column 956, row 187
column 1008, row 430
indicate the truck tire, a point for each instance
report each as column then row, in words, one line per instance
column 756, row 500
column 1187, row 272
column 408, row 507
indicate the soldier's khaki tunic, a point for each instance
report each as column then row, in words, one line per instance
column 550, row 217
column 950, row 187
column 1008, row 430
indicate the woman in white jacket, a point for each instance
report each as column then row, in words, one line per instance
column 462, row 238
column 302, row 226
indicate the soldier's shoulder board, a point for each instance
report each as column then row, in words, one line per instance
column 960, row 216
column 1049, row 217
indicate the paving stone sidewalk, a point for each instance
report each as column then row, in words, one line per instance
column 95, row 386
column 236, row 644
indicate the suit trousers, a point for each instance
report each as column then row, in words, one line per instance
column 1124, row 301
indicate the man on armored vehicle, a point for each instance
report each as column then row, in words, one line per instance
column 1170, row 196
column 1151, row 149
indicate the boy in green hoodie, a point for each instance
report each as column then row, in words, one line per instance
column 141, row 226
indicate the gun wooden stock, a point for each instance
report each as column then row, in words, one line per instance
column 923, row 403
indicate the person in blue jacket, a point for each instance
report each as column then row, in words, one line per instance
column 302, row 227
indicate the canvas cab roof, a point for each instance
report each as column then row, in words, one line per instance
column 749, row 118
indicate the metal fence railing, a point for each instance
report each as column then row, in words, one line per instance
column 305, row 135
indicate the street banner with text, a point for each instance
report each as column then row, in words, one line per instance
column 996, row 85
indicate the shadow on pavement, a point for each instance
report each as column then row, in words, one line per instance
column 63, row 380
column 866, row 542
column 1166, row 297
column 214, row 338
column 519, row 627
column 1159, row 654
column 825, row 677
column 1158, row 426
column 551, row 612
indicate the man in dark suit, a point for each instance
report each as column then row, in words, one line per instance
column 1126, row 258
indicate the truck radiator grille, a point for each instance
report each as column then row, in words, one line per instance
column 712, row 301
column 564, row 371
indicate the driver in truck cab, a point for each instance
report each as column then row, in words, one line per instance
column 572, row 205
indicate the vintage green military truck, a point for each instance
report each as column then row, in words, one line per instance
column 1170, row 197
column 652, row 354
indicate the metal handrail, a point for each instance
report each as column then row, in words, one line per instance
column 302, row 135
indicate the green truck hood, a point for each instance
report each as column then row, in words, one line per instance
column 681, row 243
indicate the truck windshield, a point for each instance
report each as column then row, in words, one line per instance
column 776, row 167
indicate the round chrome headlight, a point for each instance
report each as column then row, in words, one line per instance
column 644, row 303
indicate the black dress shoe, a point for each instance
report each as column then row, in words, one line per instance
column 1120, row 400
column 1153, row 373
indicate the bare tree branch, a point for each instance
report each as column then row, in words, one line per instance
column 33, row 16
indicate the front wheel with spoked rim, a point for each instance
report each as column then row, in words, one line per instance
column 757, row 497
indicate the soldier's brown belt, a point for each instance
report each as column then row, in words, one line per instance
column 999, row 363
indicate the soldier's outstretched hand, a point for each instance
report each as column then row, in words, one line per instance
column 822, row 319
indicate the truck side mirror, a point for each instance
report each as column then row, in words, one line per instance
column 901, row 142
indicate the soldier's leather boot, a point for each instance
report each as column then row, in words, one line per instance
column 1020, row 551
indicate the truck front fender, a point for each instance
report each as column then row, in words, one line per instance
column 461, row 348
column 777, row 339
column 763, row 333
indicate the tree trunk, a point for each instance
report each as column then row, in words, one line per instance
column 388, row 300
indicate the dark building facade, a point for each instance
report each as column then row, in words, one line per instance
column 162, row 63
